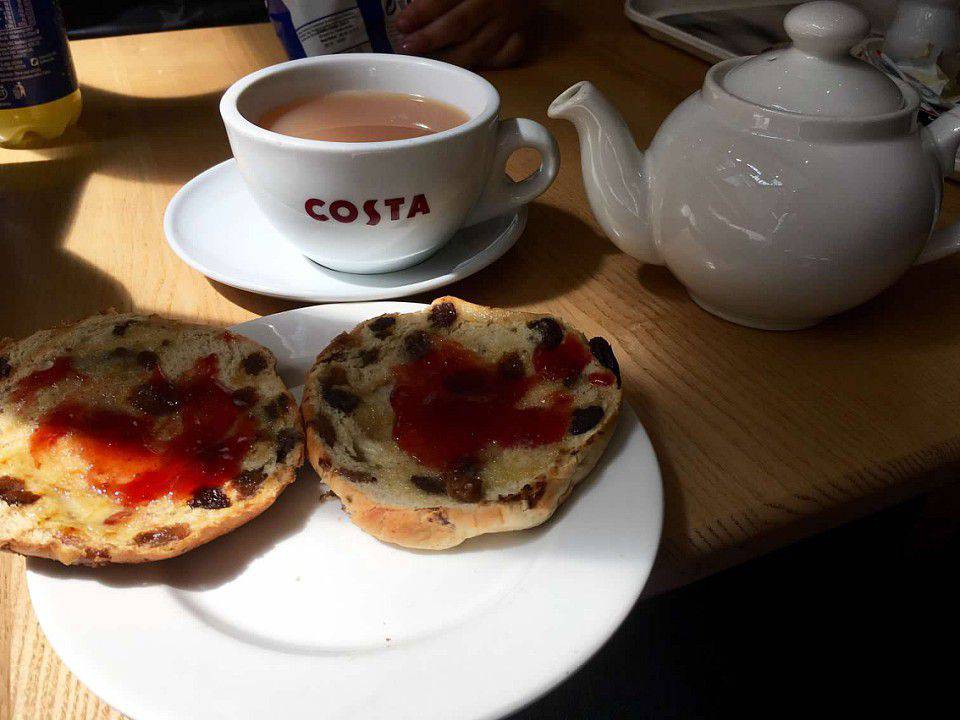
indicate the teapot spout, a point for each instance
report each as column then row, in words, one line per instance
column 614, row 172
column 944, row 135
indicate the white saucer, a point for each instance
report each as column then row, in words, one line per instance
column 214, row 226
column 300, row 615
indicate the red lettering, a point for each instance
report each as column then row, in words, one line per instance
column 311, row 206
column 418, row 206
column 347, row 217
column 344, row 211
column 394, row 204
column 370, row 208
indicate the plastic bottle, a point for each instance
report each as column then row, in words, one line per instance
column 319, row 27
column 39, row 96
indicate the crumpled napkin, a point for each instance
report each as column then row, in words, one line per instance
column 932, row 74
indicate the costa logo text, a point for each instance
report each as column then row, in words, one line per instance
column 374, row 211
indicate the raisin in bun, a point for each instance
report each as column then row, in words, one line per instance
column 127, row 438
column 458, row 420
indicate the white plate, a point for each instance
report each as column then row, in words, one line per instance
column 299, row 614
column 214, row 226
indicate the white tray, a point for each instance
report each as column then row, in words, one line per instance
column 667, row 20
column 721, row 29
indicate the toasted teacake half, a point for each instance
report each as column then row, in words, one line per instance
column 436, row 426
column 127, row 438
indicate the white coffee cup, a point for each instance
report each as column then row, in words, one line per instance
column 373, row 207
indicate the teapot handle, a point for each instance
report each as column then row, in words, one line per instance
column 943, row 242
column 942, row 138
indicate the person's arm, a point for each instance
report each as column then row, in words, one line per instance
column 471, row 33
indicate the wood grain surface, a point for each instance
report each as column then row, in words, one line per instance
column 763, row 438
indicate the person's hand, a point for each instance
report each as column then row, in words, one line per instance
column 470, row 33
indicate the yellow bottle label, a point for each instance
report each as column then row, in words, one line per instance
column 21, row 127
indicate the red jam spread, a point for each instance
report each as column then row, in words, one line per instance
column 131, row 462
column 61, row 369
column 450, row 405
column 564, row 362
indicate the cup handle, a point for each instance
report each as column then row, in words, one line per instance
column 501, row 194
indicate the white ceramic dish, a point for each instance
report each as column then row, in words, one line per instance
column 299, row 614
column 376, row 207
column 214, row 226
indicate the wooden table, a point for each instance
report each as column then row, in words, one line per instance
column 763, row 438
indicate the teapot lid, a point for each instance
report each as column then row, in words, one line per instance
column 816, row 75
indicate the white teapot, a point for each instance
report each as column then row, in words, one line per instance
column 793, row 185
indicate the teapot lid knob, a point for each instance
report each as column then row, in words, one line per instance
column 817, row 75
column 826, row 28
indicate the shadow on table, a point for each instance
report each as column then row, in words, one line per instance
column 907, row 315
column 556, row 254
column 659, row 281
column 904, row 317
column 255, row 303
column 152, row 139
column 42, row 187
column 32, row 241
